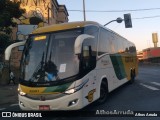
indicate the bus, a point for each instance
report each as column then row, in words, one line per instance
column 70, row 65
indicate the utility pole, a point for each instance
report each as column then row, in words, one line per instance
column 84, row 12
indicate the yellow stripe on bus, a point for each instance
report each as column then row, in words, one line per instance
column 35, row 90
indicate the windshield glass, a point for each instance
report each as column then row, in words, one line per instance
column 50, row 57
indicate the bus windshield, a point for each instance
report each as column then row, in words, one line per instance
column 50, row 57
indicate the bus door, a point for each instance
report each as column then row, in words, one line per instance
column 89, row 63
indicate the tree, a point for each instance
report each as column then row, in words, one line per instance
column 9, row 10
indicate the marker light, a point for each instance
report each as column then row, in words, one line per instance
column 73, row 102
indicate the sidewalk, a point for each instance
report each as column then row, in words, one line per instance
column 8, row 95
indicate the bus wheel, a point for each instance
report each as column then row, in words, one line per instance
column 103, row 93
column 132, row 76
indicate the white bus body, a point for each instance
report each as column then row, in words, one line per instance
column 68, row 66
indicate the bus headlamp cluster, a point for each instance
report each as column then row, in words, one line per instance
column 70, row 91
column 21, row 92
column 73, row 90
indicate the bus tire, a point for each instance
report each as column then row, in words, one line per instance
column 133, row 75
column 103, row 93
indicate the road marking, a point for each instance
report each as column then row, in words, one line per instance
column 156, row 83
column 14, row 105
column 2, row 108
column 149, row 87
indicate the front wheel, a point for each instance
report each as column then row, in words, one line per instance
column 103, row 93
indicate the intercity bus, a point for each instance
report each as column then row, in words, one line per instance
column 68, row 66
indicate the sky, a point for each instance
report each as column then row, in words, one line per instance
column 142, row 29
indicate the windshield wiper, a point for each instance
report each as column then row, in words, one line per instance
column 45, row 69
column 39, row 73
column 51, row 68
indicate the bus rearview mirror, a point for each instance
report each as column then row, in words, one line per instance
column 10, row 47
column 79, row 41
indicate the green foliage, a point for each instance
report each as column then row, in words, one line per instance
column 4, row 42
column 8, row 11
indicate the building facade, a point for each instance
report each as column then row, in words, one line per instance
column 152, row 55
column 49, row 11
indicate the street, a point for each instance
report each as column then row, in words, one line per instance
column 142, row 95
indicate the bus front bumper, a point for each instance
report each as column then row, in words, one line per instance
column 68, row 102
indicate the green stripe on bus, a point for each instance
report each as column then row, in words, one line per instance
column 59, row 88
column 118, row 66
column 121, row 65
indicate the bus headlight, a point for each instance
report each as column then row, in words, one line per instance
column 21, row 92
column 73, row 90
column 70, row 91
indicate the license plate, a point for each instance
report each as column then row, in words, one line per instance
column 44, row 107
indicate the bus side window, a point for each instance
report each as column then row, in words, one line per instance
column 105, row 40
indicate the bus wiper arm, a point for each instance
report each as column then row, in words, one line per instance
column 38, row 73
column 51, row 68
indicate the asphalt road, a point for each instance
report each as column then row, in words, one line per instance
column 142, row 95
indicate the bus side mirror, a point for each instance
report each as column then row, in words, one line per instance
column 10, row 47
column 79, row 41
